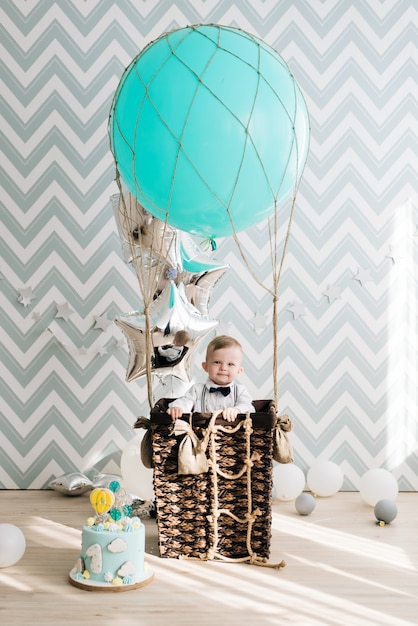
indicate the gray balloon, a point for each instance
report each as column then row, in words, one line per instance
column 305, row 504
column 385, row 511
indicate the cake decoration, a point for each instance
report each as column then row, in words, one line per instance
column 112, row 544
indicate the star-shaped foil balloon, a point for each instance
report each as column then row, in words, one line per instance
column 160, row 253
column 192, row 259
column 173, row 271
column 170, row 312
column 73, row 484
column 150, row 246
column 143, row 236
column 200, row 273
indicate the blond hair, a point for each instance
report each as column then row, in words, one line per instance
column 181, row 337
column 222, row 341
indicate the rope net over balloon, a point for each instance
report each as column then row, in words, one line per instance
column 210, row 134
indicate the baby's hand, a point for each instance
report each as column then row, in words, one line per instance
column 230, row 413
column 175, row 412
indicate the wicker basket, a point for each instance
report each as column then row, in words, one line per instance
column 224, row 513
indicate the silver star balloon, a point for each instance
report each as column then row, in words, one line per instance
column 73, row 484
column 144, row 237
column 170, row 312
column 200, row 273
column 193, row 261
column 176, row 277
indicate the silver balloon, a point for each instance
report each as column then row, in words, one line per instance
column 161, row 253
column 200, row 273
column 199, row 289
column 173, row 271
column 104, row 480
column 73, row 484
column 144, row 237
column 193, row 260
column 170, row 312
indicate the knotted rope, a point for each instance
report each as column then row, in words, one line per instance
column 216, row 512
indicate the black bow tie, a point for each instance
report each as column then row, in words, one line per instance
column 223, row 390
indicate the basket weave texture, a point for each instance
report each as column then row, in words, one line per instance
column 224, row 513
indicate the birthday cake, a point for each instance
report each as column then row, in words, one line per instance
column 112, row 556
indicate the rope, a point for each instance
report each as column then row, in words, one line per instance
column 148, row 265
column 216, row 512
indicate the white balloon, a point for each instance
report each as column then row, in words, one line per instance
column 378, row 484
column 136, row 478
column 325, row 478
column 12, row 544
column 288, row 481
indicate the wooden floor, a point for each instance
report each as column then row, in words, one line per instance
column 342, row 569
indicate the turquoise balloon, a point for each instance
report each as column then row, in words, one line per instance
column 209, row 130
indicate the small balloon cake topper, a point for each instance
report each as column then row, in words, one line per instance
column 112, row 502
column 101, row 500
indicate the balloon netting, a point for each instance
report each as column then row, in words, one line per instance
column 209, row 129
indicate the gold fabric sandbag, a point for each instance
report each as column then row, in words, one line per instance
column 192, row 452
column 282, row 447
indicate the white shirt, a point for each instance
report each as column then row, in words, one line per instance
column 199, row 399
column 171, row 353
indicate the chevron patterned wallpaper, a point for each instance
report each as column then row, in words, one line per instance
column 348, row 294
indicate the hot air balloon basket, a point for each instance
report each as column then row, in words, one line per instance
column 224, row 512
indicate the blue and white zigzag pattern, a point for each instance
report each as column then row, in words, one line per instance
column 348, row 363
